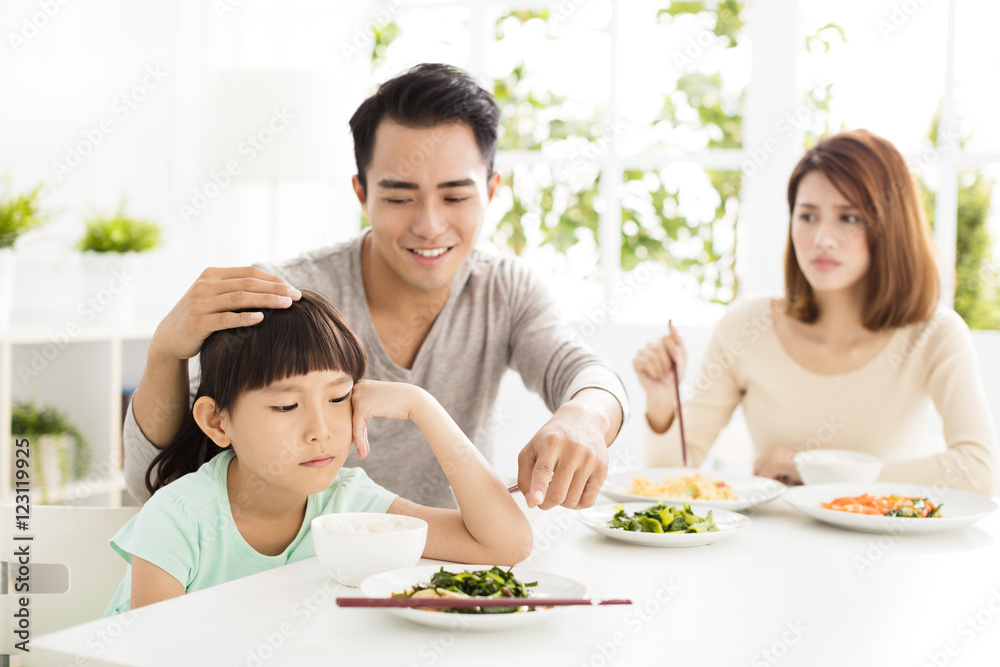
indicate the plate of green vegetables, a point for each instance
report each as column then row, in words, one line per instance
column 663, row 524
column 478, row 581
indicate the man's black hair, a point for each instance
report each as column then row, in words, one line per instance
column 427, row 95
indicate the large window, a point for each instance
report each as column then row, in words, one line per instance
column 647, row 143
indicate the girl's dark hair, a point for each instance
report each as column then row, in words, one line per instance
column 310, row 335
column 424, row 96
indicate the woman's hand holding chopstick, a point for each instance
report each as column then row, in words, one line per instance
column 655, row 364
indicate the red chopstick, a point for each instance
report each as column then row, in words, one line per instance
column 680, row 415
column 465, row 603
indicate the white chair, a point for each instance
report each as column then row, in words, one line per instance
column 81, row 572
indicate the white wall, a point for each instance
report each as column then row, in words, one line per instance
column 106, row 99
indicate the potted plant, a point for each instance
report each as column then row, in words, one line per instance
column 59, row 452
column 18, row 214
column 110, row 246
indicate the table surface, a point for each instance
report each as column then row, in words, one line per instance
column 786, row 591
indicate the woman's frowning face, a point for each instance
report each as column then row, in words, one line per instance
column 829, row 236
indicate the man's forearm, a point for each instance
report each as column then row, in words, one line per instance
column 161, row 399
column 602, row 405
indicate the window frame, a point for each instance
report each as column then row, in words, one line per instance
column 775, row 35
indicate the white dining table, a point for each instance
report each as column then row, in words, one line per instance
column 786, row 591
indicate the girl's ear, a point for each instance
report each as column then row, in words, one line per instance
column 211, row 421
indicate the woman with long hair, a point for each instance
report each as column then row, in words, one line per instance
column 854, row 353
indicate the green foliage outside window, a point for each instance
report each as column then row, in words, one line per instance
column 977, row 277
column 562, row 212
column 977, row 284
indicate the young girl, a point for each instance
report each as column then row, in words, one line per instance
column 279, row 406
column 854, row 353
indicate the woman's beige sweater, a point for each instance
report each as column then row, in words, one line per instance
column 880, row 408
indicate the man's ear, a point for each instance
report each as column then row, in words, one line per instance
column 492, row 184
column 211, row 421
column 359, row 191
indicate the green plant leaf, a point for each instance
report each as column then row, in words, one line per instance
column 18, row 214
column 120, row 233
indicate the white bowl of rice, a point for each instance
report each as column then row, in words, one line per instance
column 354, row 545
column 827, row 466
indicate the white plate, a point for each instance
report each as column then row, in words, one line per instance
column 596, row 518
column 397, row 581
column 752, row 491
column 960, row 508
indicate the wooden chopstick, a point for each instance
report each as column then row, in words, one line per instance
column 465, row 603
column 680, row 416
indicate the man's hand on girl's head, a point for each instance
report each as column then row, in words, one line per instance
column 210, row 303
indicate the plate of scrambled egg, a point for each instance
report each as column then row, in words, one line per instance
column 734, row 493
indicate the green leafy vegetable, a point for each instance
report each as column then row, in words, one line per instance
column 492, row 583
column 916, row 508
column 662, row 518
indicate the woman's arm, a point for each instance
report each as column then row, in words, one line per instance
column 488, row 527
column 955, row 386
column 151, row 583
column 707, row 406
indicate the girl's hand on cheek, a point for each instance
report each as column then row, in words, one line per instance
column 373, row 398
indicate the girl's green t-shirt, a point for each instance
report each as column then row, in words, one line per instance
column 187, row 528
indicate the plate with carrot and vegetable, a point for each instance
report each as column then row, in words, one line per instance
column 888, row 507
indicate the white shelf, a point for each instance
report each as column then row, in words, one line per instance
column 38, row 335
column 83, row 375
column 78, row 492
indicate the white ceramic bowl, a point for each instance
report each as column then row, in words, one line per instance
column 828, row 466
column 355, row 545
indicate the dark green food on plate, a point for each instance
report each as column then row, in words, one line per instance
column 492, row 583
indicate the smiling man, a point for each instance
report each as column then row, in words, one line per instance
column 429, row 307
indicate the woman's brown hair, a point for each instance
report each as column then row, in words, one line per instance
column 901, row 286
